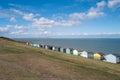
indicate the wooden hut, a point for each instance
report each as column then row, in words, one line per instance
column 61, row 49
column 49, row 47
column 41, row 45
column 46, row 46
column 57, row 48
column 99, row 56
column 53, row 48
column 67, row 50
column 74, row 52
column 113, row 58
column 64, row 50
column 84, row 54
column 35, row 45
column 90, row 55
column 27, row 43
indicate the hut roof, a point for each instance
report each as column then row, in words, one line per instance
column 99, row 53
column 117, row 55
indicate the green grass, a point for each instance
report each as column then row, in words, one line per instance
column 21, row 62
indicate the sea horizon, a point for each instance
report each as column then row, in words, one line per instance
column 104, row 45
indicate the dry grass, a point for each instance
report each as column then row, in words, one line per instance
column 21, row 62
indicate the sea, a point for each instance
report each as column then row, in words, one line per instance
column 104, row 45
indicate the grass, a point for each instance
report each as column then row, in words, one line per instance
column 21, row 62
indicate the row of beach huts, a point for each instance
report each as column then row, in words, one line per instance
column 113, row 58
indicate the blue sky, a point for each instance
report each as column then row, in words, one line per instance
column 60, row 18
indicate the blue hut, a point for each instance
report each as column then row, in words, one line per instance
column 90, row 55
column 67, row 50
column 35, row 45
column 113, row 58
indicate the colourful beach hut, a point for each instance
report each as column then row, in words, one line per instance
column 35, row 45
column 74, row 52
column 64, row 50
column 27, row 43
column 61, row 49
column 67, row 50
column 90, row 55
column 41, row 45
column 99, row 56
column 46, row 46
column 84, row 54
column 57, row 48
column 49, row 47
column 53, row 48
column 113, row 58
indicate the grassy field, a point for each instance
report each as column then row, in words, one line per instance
column 21, row 62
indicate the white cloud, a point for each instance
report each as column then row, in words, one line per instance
column 13, row 19
column 13, row 29
column 113, row 3
column 96, row 12
column 17, row 11
column 46, row 32
column 25, row 16
column 43, row 23
column 29, row 17
column 101, row 4
column 93, row 12
column 68, row 23
column 4, row 29
column 5, row 13
column 77, row 16
column 19, row 32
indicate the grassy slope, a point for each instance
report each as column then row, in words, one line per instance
column 21, row 62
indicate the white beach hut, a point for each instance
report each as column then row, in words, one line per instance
column 84, row 54
column 67, row 50
column 113, row 58
column 74, row 52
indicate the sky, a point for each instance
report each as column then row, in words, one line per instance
column 60, row 18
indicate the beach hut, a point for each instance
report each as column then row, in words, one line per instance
column 113, row 58
column 67, row 50
column 74, row 52
column 53, row 48
column 41, row 45
column 46, row 46
column 49, row 47
column 99, row 56
column 57, row 48
column 35, row 45
column 64, row 50
column 61, row 49
column 90, row 55
column 84, row 54
column 27, row 43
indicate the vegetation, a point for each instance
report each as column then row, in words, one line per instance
column 21, row 62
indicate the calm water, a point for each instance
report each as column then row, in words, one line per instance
column 95, row 45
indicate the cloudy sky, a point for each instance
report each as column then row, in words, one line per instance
column 60, row 18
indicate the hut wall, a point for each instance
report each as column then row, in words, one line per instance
column 68, row 51
column 111, row 58
column 84, row 54
column 75, row 52
column 98, row 56
column 61, row 49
